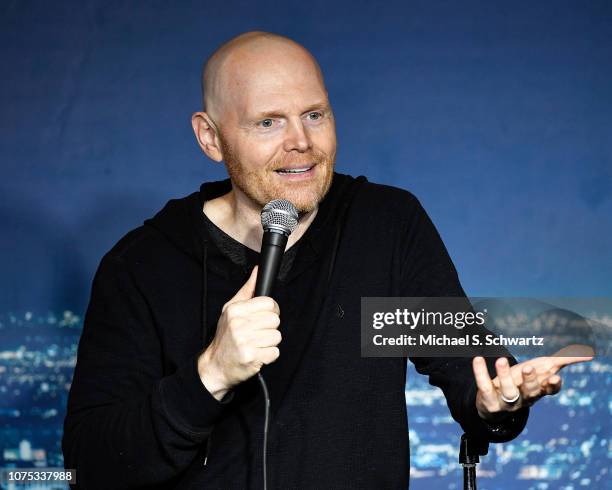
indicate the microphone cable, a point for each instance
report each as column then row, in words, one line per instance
column 264, row 387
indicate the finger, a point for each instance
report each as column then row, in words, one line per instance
column 507, row 386
column 530, row 387
column 251, row 307
column 561, row 362
column 268, row 354
column 260, row 303
column 262, row 320
column 483, row 380
column 553, row 385
column 246, row 291
column 267, row 338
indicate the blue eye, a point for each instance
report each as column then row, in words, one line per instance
column 317, row 115
column 266, row 123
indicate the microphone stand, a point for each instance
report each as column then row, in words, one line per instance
column 470, row 450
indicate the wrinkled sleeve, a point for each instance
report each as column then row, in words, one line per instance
column 128, row 425
column 428, row 271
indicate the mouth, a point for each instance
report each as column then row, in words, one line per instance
column 294, row 170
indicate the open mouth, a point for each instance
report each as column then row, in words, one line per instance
column 293, row 171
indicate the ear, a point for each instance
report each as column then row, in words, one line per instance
column 206, row 135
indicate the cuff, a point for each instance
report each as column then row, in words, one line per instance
column 503, row 431
column 188, row 402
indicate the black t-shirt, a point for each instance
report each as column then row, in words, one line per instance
column 242, row 255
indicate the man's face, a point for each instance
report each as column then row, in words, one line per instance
column 278, row 135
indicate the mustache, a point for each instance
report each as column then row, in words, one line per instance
column 315, row 157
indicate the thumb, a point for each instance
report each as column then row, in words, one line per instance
column 247, row 290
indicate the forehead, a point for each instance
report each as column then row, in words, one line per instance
column 273, row 81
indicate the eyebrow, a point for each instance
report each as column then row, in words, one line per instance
column 277, row 113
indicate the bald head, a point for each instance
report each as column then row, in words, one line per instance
column 237, row 62
column 267, row 116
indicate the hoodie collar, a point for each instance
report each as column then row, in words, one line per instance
column 181, row 221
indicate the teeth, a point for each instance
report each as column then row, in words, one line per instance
column 294, row 170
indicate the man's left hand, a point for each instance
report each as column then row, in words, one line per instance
column 522, row 384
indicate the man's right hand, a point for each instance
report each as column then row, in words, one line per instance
column 247, row 337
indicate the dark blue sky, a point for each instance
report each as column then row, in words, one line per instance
column 496, row 115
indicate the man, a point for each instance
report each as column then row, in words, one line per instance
column 165, row 393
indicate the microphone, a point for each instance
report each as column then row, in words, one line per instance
column 278, row 219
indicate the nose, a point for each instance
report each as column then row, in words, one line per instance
column 297, row 137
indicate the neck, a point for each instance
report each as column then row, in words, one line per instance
column 239, row 217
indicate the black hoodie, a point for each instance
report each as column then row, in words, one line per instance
column 139, row 415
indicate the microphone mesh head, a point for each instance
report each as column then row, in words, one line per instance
column 279, row 215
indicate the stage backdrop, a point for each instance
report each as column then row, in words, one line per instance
column 496, row 115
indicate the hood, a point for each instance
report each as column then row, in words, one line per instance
column 180, row 221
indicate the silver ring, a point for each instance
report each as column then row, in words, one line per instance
column 514, row 400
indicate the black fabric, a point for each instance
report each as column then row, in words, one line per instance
column 242, row 255
column 138, row 414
